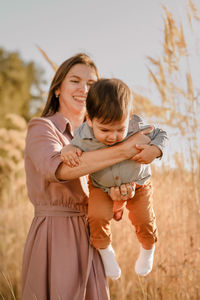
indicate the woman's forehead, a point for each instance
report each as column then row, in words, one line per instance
column 82, row 70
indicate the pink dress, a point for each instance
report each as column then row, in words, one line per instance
column 58, row 263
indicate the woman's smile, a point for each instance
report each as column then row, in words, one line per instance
column 80, row 99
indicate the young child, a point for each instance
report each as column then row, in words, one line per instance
column 109, row 121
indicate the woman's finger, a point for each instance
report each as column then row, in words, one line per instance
column 148, row 130
column 78, row 152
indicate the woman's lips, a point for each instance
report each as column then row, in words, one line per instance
column 79, row 98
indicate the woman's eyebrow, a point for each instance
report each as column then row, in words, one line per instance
column 76, row 76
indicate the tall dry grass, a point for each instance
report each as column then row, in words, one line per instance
column 15, row 211
column 176, row 272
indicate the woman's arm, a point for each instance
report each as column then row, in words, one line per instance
column 93, row 161
column 43, row 147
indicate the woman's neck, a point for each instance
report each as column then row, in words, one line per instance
column 75, row 121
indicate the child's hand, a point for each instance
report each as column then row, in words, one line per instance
column 70, row 155
column 147, row 154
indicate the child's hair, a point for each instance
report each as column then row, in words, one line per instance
column 108, row 100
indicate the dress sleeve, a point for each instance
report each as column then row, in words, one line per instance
column 43, row 147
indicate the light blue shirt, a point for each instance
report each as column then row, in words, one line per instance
column 126, row 171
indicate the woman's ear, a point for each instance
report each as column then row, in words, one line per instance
column 88, row 120
column 57, row 92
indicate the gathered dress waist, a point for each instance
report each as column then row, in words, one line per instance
column 56, row 211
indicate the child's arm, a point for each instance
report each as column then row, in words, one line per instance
column 70, row 155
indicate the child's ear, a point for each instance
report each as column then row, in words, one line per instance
column 88, row 120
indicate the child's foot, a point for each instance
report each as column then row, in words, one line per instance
column 111, row 266
column 144, row 263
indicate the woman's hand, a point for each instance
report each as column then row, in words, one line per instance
column 147, row 154
column 138, row 138
column 70, row 155
column 124, row 192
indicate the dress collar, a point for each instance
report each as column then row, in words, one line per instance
column 61, row 122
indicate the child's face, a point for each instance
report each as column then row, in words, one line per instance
column 110, row 133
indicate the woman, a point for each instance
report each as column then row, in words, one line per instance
column 58, row 261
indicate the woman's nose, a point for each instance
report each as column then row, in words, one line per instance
column 84, row 88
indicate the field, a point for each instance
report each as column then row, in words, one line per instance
column 176, row 272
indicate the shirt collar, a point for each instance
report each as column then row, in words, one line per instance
column 87, row 131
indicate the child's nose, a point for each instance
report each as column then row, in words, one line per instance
column 112, row 136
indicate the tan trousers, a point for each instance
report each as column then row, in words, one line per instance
column 141, row 215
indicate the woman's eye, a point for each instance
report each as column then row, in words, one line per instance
column 75, row 81
column 90, row 84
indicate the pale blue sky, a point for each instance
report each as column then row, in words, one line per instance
column 117, row 34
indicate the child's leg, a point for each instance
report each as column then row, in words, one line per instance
column 118, row 209
column 99, row 216
column 111, row 266
column 119, row 205
column 144, row 263
column 142, row 216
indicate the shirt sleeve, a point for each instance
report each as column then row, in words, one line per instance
column 43, row 147
column 158, row 136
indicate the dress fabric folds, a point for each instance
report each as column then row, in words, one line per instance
column 58, row 262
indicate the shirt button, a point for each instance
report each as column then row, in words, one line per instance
column 117, row 177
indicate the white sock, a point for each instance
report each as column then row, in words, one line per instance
column 144, row 263
column 111, row 266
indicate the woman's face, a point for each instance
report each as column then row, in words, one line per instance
column 74, row 89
